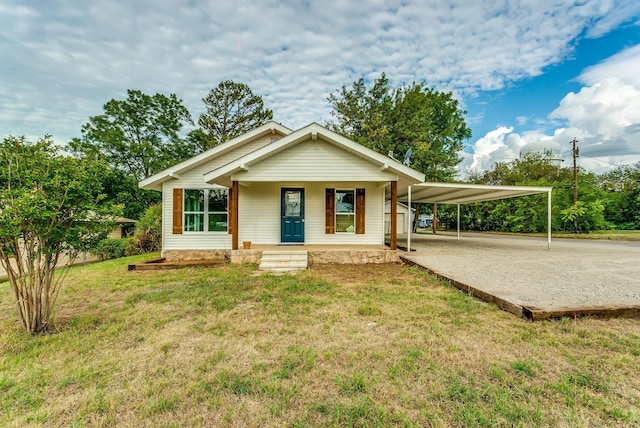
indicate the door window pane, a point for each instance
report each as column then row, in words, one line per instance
column 292, row 203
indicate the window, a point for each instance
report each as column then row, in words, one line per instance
column 345, row 211
column 209, row 216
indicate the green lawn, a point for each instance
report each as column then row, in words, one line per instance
column 332, row 346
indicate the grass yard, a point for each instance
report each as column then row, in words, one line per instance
column 333, row 346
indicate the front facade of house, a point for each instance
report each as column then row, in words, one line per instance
column 275, row 186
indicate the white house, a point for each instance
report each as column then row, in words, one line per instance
column 275, row 186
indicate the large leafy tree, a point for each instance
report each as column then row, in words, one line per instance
column 231, row 110
column 51, row 207
column 140, row 135
column 413, row 116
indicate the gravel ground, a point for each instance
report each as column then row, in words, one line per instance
column 574, row 274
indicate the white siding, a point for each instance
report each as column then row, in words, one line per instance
column 314, row 160
column 307, row 165
column 192, row 179
column 259, row 213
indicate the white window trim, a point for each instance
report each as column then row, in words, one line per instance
column 336, row 213
column 205, row 213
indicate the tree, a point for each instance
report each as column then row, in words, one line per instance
column 232, row 110
column 139, row 135
column 529, row 213
column 413, row 116
column 623, row 184
column 50, row 206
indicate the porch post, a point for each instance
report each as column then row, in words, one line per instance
column 393, row 239
column 410, row 223
column 234, row 215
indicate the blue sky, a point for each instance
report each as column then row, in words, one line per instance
column 525, row 71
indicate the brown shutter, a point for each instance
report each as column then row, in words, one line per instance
column 330, row 212
column 360, row 211
column 177, row 211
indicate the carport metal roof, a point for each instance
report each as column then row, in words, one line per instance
column 455, row 193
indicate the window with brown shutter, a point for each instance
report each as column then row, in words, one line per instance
column 177, row 211
column 330, row 211
column 360, row 211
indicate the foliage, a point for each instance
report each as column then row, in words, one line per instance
column 232, row 110
column 139, row 135
column 122, row 188
column 414, row 116
column 529, row 214
column 111, row 248
column 148, row 235
column 51, row 207
column 623, row 184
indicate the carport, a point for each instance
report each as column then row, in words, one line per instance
column 454, row 193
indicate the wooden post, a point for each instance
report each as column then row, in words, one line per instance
column 234, row 215
column 393, row 239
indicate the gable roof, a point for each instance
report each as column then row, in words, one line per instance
column 155, row 181
column 313, row 131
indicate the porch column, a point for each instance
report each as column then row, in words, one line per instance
column 393, row 239
column 409, row 222
column 234, row 215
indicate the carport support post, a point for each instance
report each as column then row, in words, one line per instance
column 409, row 222
column 549, row 219
column 458, row 222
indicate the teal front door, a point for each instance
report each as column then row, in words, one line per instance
column 292, row 224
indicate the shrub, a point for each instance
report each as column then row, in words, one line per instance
column 148, row 235
column 111, row 248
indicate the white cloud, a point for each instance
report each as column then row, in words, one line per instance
column 604, row 115
column 606, row 112
column 63, row 60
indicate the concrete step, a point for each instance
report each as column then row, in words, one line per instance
column 284, row 261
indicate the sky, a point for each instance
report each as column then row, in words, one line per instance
column 524, row 71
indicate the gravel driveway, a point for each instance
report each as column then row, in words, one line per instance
column 574, row 277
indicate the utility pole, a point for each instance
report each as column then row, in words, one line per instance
column 575, row 152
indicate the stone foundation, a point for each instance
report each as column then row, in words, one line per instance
column 190, row 255
column 316, row 257
column 246, row 256
column 353, row 257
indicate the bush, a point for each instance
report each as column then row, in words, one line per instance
column 111, row 248
column 148, row 235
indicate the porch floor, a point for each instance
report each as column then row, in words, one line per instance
column 318, row 247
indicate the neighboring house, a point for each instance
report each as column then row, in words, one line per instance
column 123, row 229
column 402, row 215
column 275, row 186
